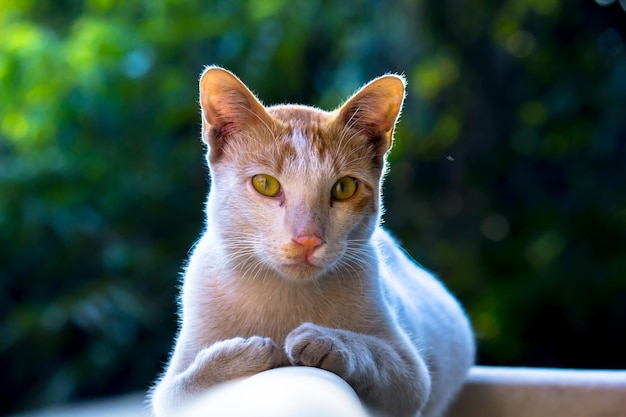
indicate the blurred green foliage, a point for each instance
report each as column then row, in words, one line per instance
column 508, row 175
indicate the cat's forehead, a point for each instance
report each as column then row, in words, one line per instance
column 313, row 138
column 298, row 114
column 307, row 128
column 305, row 141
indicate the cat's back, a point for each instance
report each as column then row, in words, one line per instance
column 419, row 302
column 430, row 317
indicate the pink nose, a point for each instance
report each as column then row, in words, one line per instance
column 308, row 243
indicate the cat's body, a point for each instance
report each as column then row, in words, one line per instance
column 294, row 269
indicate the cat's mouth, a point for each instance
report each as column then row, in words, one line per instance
column 301, row 270
column 302, row 262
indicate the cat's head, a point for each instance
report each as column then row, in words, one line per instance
column 294, row 189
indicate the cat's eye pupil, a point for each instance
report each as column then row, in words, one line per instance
column 344, row 188
column 266, row 185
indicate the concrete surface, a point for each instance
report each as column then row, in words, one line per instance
column 489, row 392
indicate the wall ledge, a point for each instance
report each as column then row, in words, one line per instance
column 489, row 392
column 531, row 392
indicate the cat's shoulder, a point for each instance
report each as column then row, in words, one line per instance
column 396, row 264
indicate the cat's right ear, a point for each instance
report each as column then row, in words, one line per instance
column 228, row 108
column 374, row 110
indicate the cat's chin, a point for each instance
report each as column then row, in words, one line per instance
column 300, row 272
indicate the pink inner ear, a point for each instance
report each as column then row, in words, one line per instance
column 376, row 106
column 228, row 108
column 225, row 106
column 389, row 121
column 225, row 99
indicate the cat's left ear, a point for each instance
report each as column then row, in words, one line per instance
column 374, row 109
column 228, row 108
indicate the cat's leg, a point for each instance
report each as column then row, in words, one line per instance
column 220, row 362
column 389, row 379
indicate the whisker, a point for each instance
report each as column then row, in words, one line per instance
column 347, row 136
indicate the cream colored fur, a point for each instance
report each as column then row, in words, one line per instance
column 301, row 278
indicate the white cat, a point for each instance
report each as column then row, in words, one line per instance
column 293, row 267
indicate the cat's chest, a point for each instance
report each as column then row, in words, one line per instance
column 274, row 309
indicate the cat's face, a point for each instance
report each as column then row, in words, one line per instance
column 295, row 190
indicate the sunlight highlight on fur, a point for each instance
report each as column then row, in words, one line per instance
column 301, row 278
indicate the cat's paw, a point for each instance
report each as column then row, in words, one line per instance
column 320, row 347
column 238, row 357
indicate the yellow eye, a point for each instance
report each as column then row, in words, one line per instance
column 344, row 188
column 266, row 185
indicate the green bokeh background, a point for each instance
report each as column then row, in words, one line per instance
column 508, row 174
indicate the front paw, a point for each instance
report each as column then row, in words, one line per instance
column 320, row 347
column 238, row 357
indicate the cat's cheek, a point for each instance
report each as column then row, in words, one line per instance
column 350, row 215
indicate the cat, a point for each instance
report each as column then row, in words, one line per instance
column 294, row 269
